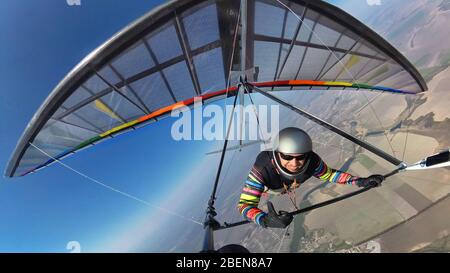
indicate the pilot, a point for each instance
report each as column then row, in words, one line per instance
column 290, row 163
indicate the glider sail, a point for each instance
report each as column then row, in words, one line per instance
column 196, row 48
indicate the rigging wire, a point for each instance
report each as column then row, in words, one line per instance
column 226, row 172
column 407, row 127
column 233, row 49
column 282, row 238
column 229, row 82
column 114, row 189
column 344, row 68
column 222, row 157
column 274, row 234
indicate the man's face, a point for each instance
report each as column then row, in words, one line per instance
column 292, row 162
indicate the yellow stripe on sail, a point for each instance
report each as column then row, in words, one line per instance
column 120, row 127
column 339, row 83
column 354, row 59
column 100, row 106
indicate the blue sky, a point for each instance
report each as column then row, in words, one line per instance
column 41, row 42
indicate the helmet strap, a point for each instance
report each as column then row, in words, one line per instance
column 284, row 172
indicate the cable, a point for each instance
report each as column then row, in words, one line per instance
column 343, row 66
column 114, row 189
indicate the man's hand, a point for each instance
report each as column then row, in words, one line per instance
column 274, row 220
column 371, row 181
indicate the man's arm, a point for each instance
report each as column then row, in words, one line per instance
column 325, row 173
column 250, row 197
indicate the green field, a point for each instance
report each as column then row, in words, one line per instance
column 366, row 161
column 299, row 230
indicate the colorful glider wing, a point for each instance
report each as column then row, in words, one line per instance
column 190, row 48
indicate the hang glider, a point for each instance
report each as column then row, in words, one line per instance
column 213, row 49
column 185, row 49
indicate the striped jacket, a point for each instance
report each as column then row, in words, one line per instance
column 264, row 176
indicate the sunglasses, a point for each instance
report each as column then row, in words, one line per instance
column 290, row 157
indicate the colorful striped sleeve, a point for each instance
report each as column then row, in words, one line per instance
column 250, row 197
column 325, row 173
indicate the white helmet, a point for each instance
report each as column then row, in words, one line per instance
column 292, row 140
